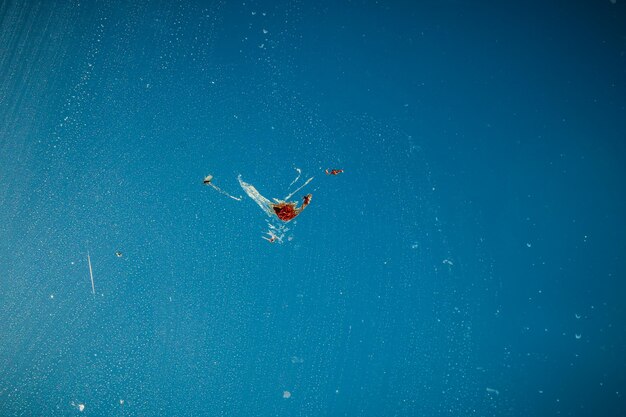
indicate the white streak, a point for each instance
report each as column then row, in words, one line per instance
column 298, row 189
column 218, row 189
column 297, row 178
column 252, row 192
column 93, row 287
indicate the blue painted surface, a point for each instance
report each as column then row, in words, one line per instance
column 469, row 261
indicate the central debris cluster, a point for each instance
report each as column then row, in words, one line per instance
column 287, row 211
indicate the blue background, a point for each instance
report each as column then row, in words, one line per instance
column 470, row 260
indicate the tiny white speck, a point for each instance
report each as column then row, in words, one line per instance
column 80, row 407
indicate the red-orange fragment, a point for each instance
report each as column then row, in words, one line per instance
column 285, row 211
column 288, row 211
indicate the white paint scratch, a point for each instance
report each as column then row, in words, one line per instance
column 93, row 287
